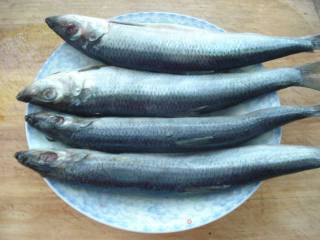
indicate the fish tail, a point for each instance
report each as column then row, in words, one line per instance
column 315, row 110
column 315, row 40
column 311, row 75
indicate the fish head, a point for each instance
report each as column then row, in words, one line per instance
column 78, row 30
column 56, row 90
column 56, row 124
column 49, row 122
column 39, row 160
column 51, row 163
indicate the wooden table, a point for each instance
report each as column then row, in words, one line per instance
column 283, row 208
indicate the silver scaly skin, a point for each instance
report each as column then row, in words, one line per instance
column 177, row 172
column 113, row 91
column 172, row 48
column 164, row 134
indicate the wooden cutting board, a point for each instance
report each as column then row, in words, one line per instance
column 283, row 208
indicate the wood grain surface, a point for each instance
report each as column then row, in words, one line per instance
column 283, row 208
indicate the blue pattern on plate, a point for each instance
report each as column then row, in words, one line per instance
column 132, row 209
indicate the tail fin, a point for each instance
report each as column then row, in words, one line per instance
column 311, row 75
column 315, row 40
column 315, row 110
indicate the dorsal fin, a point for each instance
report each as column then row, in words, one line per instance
column 91, row 67
column 168, row 26
column 127, row 23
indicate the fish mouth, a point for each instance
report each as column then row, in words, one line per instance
column 30, row 118
column 23, row 96
column 26, row 158
column 21, row 156
column 52, row 21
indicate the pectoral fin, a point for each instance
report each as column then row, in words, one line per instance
column 78, row 156
column 91, row 67
column 86, row 124
column 201, row 110
column 50, row 139
column 85, row 94
column 195, row 141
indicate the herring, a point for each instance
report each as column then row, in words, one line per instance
column 112, row 134
column 113, row 91
column 172, row 48
column 176, row 172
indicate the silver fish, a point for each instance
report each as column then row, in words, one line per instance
column 117, row 91
column 172, row 171
column 172, row 48
column 164, row 134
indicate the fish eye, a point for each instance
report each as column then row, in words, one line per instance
column 71, row 29
column 48, row 156
column 49, row 94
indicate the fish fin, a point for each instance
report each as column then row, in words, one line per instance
column 86, row 68
column 78, row 156
column 315, row 110
column 93, row 37
column 91, row 67
column 177, row 27
column 50, row 139
column 169, row 26
column 206, row 189
column 250, row 68
column 85, row 94
column 55, row 73
column 195, row 141
column 86, row 124
column 311, row 75
column 201, row 110
column 127, row 23
column 220, row 187
column 314, row 39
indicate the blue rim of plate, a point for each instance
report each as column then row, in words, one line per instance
column 198, row 22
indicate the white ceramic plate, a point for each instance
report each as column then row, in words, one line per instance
column 134, row 210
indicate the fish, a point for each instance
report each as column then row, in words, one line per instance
column 170, row 47
column 175, row 172
column 113, row 91
column 112, row 134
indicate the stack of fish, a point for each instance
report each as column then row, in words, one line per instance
column 147, row 110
